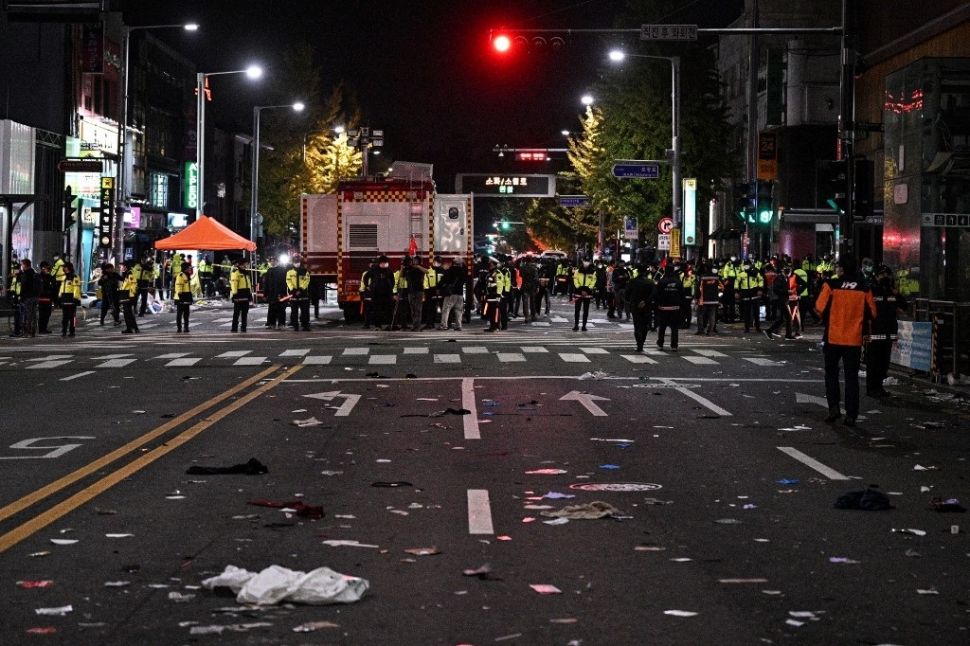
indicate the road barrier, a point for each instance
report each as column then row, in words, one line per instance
column 950, row 335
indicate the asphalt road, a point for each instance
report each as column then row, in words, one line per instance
column 715, row 460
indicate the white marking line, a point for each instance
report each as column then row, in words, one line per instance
column 356, row 351
column 708, row 353
column 759, row 361
column 78, row 375
column 48, row 364
column 295, row 353
column 447, row 358
column 115, row 363
column 638, row 358
column 249, row 361
column 172, row 355
column 507, row 357
column 655, row 352
column 701, row 361
column 812, row 463
column 147, row 326
column 706, row 403
column 232, row 354
column 317, row 361
column 413, row 350
column 382, row 359
column 594, row 351
column 52, row 357
column 470, row 421
column 475, row 349
column 479, row 512
column 184, row 362
column 534, row 349
column 573, row 357
column 112, row 356
column 586, row 399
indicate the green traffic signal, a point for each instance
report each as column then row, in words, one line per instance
column 505, row 225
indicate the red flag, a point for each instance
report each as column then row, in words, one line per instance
column 412, row 246
column 663, row 262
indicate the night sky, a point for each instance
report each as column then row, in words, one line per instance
column 422, row 69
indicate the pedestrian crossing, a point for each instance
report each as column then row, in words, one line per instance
column 408, row 355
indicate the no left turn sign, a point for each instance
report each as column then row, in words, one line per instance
column 665, row 225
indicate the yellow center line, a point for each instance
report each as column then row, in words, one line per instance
column 69, row 479
column 87, row 494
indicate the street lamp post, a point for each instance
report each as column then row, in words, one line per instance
column 121, row 194
column 254, row 189
column 253, row 72
column 618, row 56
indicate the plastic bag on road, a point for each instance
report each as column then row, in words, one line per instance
column 590, row 511
column 275, row 584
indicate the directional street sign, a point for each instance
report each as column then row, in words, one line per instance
column 668, row 32
column 573, row 201
column 586, row 399
column 349, row 401
column 636, row 170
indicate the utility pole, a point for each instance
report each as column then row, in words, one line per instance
column 847, row 130
column 754, row 63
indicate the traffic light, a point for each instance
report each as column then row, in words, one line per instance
column 863, row 171
column 505, row 225
column 504, row 42
column 744, row 201
column 501, row 43
column 833, row 184
column 764, row 203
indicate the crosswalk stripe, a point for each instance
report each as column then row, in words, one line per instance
column 113, row 356
column 231, row 354
column 349, row 352
column 704, row 352
column 321, row 360
column 382, row 359
column 171, row 355
column 295, row 353
column 638, row 358
column 183, row 362
column 447, row 358
column 416, row 350
column 508, row 357
column 761, row 361
column 701, row 361
column 594, row 350
column 475, row 349
column 249, row 361
column 534, row 349
column 569, row 357
column 41, row 365
column 53, row 357
column 116, row 363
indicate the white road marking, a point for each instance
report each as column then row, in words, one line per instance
column 317, row 360
column 183, row 362
column 171, row 355
column 112, row 356
column 52, row 357
column 760, row 361
column 586, row 399
column 541, row 323
column 594, row 350
column 295, row 353
column 479, row 512
column 414, row 350
column 78, row 375
column 655, row 352
column 701, row 361
column 350, row 400
column 569, row 357
column 534, row 349
column 470, row 421
column 625, row 326
column 147, row 326
column 249, row 361
column 115, row 363
column 638, row 358
column 802, row 398
column 48, row 364
column 507, row 357
column 706, row 403
column 558, row 319
column 349, row 352
column 708, row 353
column 382, row 359
column 475, row 349
column 233, row 353
column 812, row 463
column 447, row 358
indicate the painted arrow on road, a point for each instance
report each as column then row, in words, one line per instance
column 350, row 400
column 586, row 399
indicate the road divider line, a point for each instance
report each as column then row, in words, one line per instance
column 470, row 421
column 78, row 375
column 92, row 467
column 479, row 513
column 94, row 490
column 812, row 463
column 703, row 401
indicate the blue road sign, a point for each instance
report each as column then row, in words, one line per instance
column 636, row 171
column 573, row 201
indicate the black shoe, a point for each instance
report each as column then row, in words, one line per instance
column 575, row 328
column 70, row 334
column 306, row 329
column 660, row 345
column 673, row 348
column 640, row 348
column 584, row 328
column 127, row 331
column 849, row 421
column 178, row 331
column 243, row 330
column 233, row 330
column 833, row 416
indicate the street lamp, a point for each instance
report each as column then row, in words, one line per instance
column 121, row 195
column 565, row 133
column 617, row 56
column 254, row 190
column 587, row 100
column 253, row 72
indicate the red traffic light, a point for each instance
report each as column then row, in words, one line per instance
column 502, row 43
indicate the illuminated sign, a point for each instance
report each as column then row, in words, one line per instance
column 690, row 211
column 191, row 185
column 532, row 155
column 107, row 207
column 506, row 185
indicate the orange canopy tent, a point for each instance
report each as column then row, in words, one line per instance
column 205, row 234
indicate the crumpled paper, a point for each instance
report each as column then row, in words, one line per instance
column 275, row 584
column 589, row 511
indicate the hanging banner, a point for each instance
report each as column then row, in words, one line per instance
column 690, row 211
column 105, row 219
column 675, row 251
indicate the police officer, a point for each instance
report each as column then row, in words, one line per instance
column 491, row 310
column 689, row 278
column 380, row 289
column 182, row 292
column 274, row 290
column 70, row 298
column 400, row 295
column 505, row 290
column 619, row 279
column 750, row 285
column 145, row 273
column 364, row 294
column 729, row 276
column 108, row 283
column 584, row 284
column 432, row 295
column 707, row 293
column 669, row 298
column 241, row 293
column 127, row 293
column 639, row 298
column 298, row 286
column 883, row 329
column 46, row 296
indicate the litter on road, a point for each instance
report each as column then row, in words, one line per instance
column 589, row 511
column 867, row 500
column 346, row 543
column 59, row 611
column 545, row 588
column 275, row 584
column 680, row 613
column 252, row 468
column 313, row 626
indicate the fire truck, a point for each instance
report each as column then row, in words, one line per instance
column 397, row 215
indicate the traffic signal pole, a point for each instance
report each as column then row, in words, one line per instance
column 847, row 132
column 753, row 65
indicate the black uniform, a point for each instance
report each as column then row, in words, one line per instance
column 670, row 294
column 882, row 334
column 274, row 288
column 46, row 296
column 639, row 298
